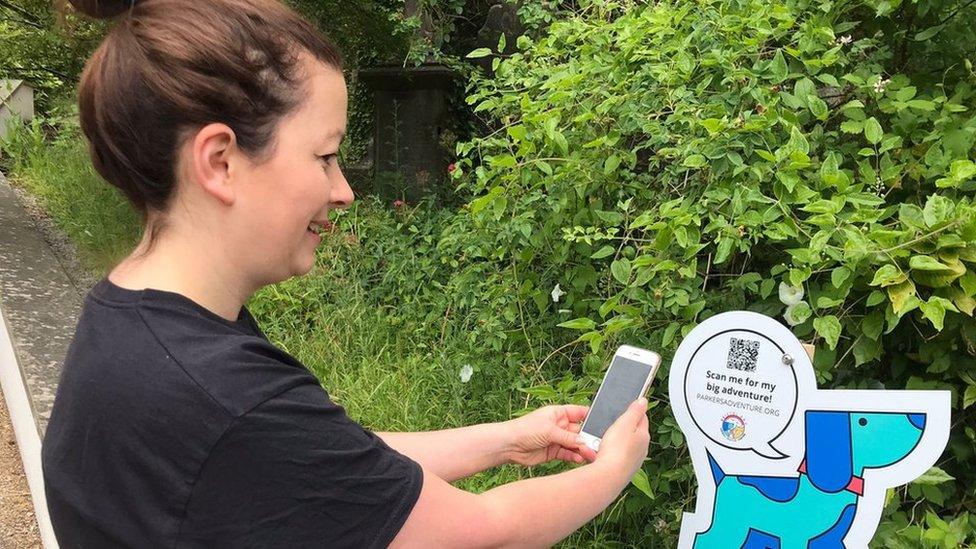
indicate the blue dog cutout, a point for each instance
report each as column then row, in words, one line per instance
column 839, row 450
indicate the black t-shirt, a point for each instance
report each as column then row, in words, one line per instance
column 174, row 427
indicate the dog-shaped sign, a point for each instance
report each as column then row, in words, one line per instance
column 814, row 474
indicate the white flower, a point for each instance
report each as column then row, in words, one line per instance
column 792, row 316
column 556, row 293
column 844, row 40
column 790, row 295
column 465, row 373
column 881, row 84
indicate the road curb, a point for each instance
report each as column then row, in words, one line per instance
column 25, row 431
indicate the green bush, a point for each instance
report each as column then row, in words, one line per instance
column 661, row 163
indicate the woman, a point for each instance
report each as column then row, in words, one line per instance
column 176, row 422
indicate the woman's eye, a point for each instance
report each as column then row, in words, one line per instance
column 326, row 157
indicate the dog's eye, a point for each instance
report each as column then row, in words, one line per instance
column 862, row 422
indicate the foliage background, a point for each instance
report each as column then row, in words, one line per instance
column 659, row 163
column 811, row 160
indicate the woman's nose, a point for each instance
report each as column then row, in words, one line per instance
column 342, row 195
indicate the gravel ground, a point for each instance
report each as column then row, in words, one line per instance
column 18, row 528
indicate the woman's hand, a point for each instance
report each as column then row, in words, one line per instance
column 548, row 433
column 625, row 444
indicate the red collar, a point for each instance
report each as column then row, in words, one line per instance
column 855, row 486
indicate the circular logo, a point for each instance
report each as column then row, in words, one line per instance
column 733, row 427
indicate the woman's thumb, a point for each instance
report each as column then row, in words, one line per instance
column 629, row 420
column 636, row 411
column 565, row 438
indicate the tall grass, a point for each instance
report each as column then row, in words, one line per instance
column 93, row 214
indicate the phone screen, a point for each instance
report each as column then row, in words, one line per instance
column 621, row 386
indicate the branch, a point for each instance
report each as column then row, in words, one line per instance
column 21, row 11
column 23, row 22
column 953, row 14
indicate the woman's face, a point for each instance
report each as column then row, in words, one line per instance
column 284, row 201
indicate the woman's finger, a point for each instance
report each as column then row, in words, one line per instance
column 576, row 413
column 564, row 437
column 570, row 456
column 585, row 451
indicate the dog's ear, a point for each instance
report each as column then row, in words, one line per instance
column 829, row 459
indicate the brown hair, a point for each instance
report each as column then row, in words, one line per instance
column 169, row 66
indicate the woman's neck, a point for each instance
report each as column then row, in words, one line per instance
column 193, row 267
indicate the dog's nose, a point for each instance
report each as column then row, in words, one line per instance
column 918, row 420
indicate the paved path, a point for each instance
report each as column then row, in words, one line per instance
column 40, row 303
column 39, row 308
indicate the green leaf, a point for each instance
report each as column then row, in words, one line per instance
column 581, row 323
column 865, row 350
column 694, row 161
column 817, row 107
column 839, row 275
column 938, row 210
column 620, row 269
column 723, row 250
column 872, row 324
column 970, row 397
column 905, row 93
column 560, row 140
column 874, row 298
column 713, row 125
column 928, row 33
column 778, row 68
column 642, row 483
column 603, row 252
column 829, row 328
column 798, row 142
column 480, row 52
column 873, row 131
column 501, row 43
column 852, row 126
column 922, row 105
column 934, row 475
column 968, row 283
column 611, row 164
column 926, row 263
column 934, row 310
column 887, row 275
column 669, row 334
column 900, row 295
column 911, row 215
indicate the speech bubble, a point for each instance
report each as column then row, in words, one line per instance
column 740, row 389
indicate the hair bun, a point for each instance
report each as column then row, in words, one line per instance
column 103, row 9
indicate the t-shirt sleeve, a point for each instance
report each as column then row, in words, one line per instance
column 296, row 471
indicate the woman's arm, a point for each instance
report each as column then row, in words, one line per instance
column 536, row 512
column 545, row 434
column 452, row 454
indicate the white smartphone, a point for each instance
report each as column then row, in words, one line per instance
column 627, row 379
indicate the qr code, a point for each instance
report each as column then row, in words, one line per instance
column 743, row 355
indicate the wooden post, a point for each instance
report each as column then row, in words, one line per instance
column 810, row 349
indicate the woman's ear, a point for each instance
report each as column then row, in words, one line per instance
column 210, row 152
